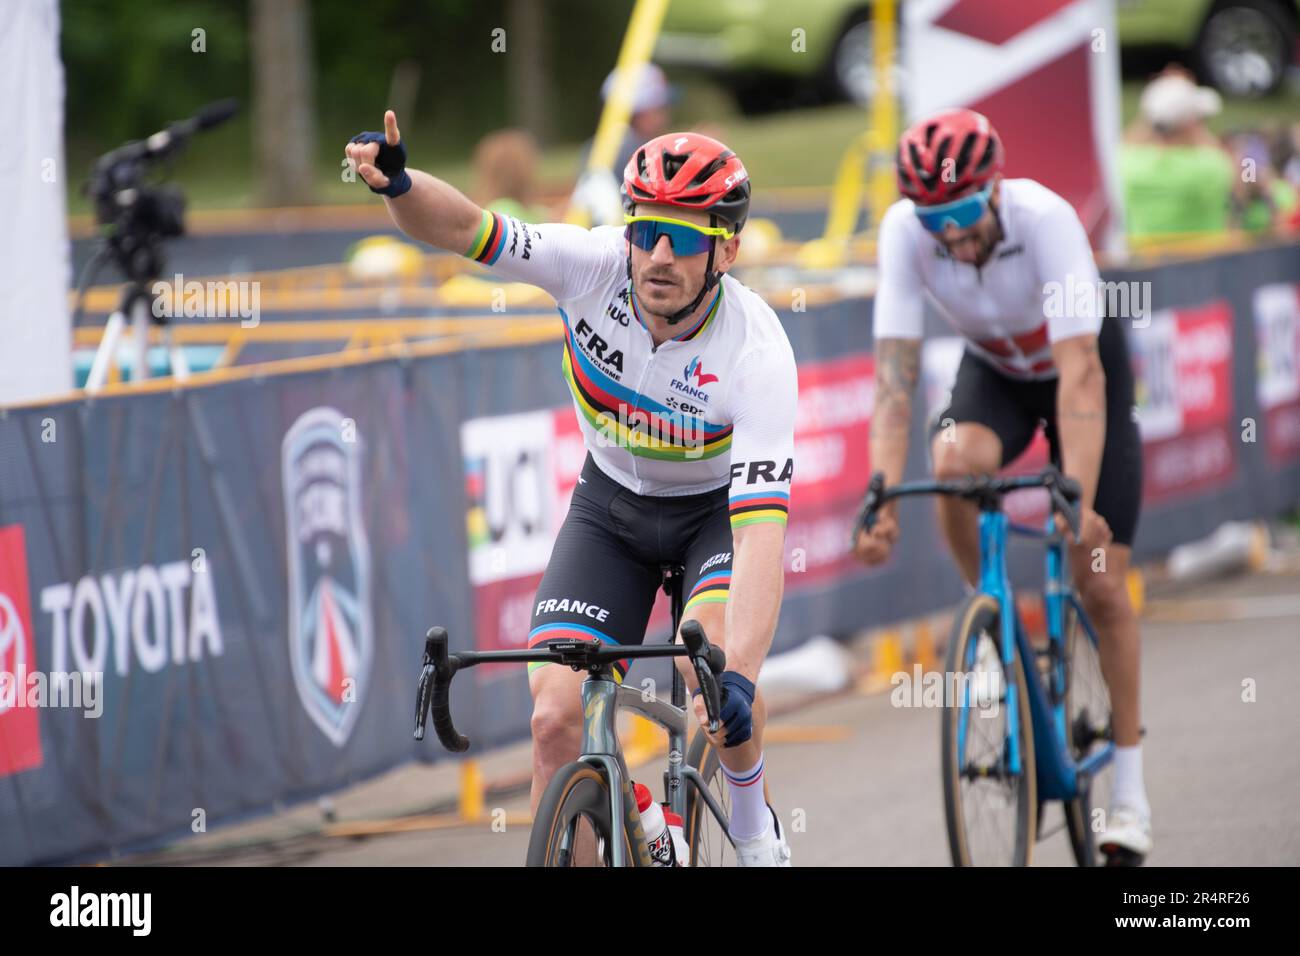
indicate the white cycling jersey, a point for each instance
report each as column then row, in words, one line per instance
column 1039, row 286
column 711, row 407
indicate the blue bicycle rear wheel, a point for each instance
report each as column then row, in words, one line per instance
column 1088, row 723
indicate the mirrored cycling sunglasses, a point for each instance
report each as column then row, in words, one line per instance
column 686, row 238
column 962, row 213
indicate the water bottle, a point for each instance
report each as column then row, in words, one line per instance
column 658, row 838
column 681, row 852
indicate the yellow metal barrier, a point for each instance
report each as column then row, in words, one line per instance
column 472, row 790
column 638, row 43
column 868, row 163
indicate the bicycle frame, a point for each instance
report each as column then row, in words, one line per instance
column 602, row 697
column 1058, row 776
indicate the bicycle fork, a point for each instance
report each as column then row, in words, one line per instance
column 994, row 582
column 600, row 748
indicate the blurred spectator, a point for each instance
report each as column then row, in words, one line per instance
column 1288, row 148
column 1176, row 175
column 1288, row 160
column 1263, row 201
column 505, row 171
column 652, row 115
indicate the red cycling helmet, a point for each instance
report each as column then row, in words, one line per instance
column 947, row 155
column 691, row 171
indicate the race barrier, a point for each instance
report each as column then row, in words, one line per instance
column 213, row 599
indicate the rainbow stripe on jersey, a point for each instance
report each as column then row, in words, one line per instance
column 759, row 507
column 630, row 420
column 493, row 234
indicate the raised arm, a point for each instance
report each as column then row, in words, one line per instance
column 430, row 210
column 564, row 260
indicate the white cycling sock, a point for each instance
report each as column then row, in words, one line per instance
column 1128, row 788
column 750, row 817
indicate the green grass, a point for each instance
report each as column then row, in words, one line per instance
column 795, row 148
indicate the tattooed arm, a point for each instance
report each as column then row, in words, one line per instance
column 898, row 363
column 897, row 367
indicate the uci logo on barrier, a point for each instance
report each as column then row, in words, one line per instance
column 331, row 648
column 511, row 494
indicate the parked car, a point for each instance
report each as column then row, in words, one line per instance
column 1243, row 47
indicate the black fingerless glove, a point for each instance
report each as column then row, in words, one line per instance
column 391, row 161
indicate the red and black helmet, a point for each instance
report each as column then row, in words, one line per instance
column 947, row 155
column 691, row 171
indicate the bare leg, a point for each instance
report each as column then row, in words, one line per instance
column 557, row 738
column 1103, row 588
column 965, row 449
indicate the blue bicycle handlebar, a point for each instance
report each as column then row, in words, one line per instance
column 985, row 489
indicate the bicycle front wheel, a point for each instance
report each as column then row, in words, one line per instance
column 706, row 836
column 991, row 812
column 572, row 826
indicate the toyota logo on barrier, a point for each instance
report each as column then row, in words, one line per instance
column 13, row 643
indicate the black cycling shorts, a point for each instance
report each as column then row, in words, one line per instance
column 608, row 559
column 1013, row 409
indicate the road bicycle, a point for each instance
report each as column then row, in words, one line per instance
column 1022, row 725
column 589, row 803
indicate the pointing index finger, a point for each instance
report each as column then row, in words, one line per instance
column 391, row 136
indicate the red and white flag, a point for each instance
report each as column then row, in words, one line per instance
column 1046, row 74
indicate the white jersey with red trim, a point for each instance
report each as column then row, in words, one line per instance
column 1039, row 286
column 711, row 407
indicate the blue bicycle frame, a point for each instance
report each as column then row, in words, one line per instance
column 1058, row 776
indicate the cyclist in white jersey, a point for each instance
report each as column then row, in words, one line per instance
column 1007, row 263
column 684, row 385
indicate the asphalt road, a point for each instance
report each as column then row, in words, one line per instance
column 1221, row 773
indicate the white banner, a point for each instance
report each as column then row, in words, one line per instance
column 36, row 357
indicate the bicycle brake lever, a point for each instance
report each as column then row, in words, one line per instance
column 1069, row 511
column 434, row 692
column 712, row 695
column 708, row 660
column 867, row 514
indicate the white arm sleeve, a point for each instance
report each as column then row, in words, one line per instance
column 897, row 313
column 565, row 260
column 1067, row 271
column 763, row 396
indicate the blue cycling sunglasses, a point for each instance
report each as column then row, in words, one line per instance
column 686, row 238
column 962, row 213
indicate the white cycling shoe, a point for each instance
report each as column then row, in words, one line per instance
column 1127, row 833
column 768, row 850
